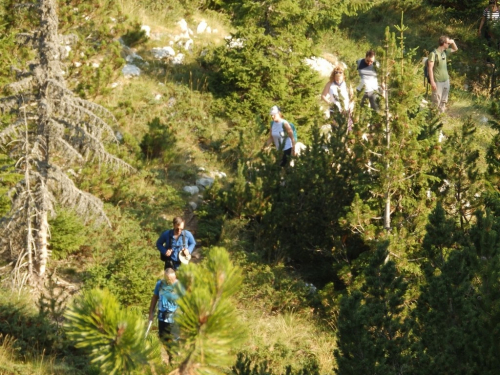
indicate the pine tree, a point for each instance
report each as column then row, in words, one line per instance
column 373, row 336
column 398, row 150
column 209, row 326
column 114, row 336
column 52, row 129
column 447, row 318
column 461, row 183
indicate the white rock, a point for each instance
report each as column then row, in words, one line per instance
column 82, row 54
column 204, row 52
column 189, row 45
column 130, row 70
column 112, row 19
column 209, row 30
column 158, row 96
column 484, row 119
column 162, row 53
column 133, row 56
column 201, row 169
column 234, row 43
column 193, row 205
column 147, row 30
column 191, row 189
column 183, row 25
column 171, row 102
column 299, row 147
column 77, row 64
column 202, row 26
column 205, row 182
column 441, row 136
column 119, row 136
column 114, row 84
column 321, row 65
column 95, row 65
column 215, row 31
column 179, row 59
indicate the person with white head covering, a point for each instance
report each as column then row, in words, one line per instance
column 281, row 135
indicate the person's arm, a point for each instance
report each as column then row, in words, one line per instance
column 191, row 243
column 325, row 95
column 480, row 26
column 152, row 306
column 269, row 141
column 431, row 74
column 454, row 47
column 289, row 131
column 164, row 240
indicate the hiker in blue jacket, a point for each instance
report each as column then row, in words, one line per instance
column 167, row 292
column 176, row 245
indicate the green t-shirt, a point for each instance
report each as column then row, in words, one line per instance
column 440, row 68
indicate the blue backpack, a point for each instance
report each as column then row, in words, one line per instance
column 291, row 126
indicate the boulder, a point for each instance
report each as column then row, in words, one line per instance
column 191, row 189
column 163, row 53
column 130, row 70
column 202, row 27
column 205, row 182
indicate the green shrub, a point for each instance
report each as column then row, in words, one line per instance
column 157, row 140
column 134, row 37
column 67, row 234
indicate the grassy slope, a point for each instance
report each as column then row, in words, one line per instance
column 274, row 302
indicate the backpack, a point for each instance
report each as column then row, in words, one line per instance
column 294, row 131
column 426, row 67
column 164, row 258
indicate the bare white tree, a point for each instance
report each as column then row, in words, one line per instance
column 51, row 131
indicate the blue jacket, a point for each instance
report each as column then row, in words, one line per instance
column 167, row 241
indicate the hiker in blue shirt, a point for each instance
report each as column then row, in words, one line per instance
column 167, row 292
column 176, row 245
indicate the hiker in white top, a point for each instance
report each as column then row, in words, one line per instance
column 282, row 135
column 335, row 91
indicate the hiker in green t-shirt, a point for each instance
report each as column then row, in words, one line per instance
column 438, row 72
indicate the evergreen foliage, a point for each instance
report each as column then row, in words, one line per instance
column 461, row 182
column 243, row 366
column 112, row 335
column 209, row 324
column 373, row 337
column 262, row 72
column 291, row 18
column 67, row 234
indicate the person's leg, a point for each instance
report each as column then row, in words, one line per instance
column 372, row 97
column 286, row 155
column 363, row 99
column 436, row 94
column 168, row 263
column 445, row 89
column 164, row 331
